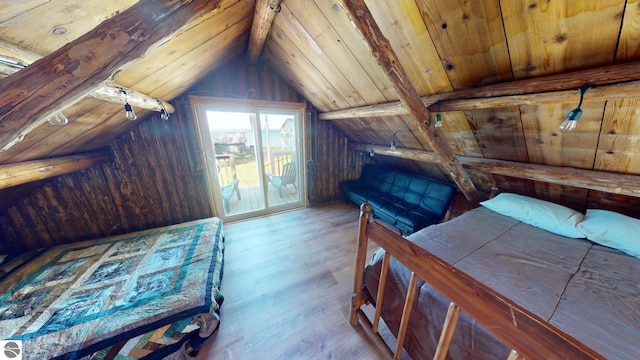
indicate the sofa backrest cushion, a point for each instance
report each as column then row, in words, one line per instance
column 437, row 197
column 428, row 194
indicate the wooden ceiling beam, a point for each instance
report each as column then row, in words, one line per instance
column 608, row 82
column 386, row 58
column 14, row 58
column 263, row 15
column 29, row 171
column 75, row 70
column 568, row 176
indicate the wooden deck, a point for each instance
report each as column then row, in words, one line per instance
column 251, row 199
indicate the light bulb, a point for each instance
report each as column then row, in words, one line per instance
column 164, row 115
column 393, row 145
column 568, row 125
column 129, row 113
column 571, row 120
column 58, row 119
column 438, row 120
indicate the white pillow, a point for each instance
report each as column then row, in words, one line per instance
column 612, row 229
column 546, row 215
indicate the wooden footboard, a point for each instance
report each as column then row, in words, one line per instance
column 530, row 336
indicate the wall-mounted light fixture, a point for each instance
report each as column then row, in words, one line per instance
column 571, row 120
column 58, row 119
column 164, row 114
column 128, row 110
column 437, row 120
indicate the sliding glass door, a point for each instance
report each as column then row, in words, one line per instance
column 253, row 152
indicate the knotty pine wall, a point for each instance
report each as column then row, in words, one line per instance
column 156, row 176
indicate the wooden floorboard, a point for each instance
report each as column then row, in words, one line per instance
column 287, row 284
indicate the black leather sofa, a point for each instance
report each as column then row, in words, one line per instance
column 408, row 201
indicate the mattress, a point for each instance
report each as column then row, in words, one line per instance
column 141, row 294
column 590, row 292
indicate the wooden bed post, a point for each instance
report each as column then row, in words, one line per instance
column 361, row 255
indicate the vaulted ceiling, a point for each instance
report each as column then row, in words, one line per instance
column 77, row 50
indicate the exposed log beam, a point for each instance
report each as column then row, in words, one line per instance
column 623, row 184
column 73, row 71
column 14, row 58
column 111, row 92
column 386, row 58
column 617, row 91
column 610, row 82
column 28, row 171
column 263, row 15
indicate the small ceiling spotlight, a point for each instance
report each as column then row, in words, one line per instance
column 58, row 119
column 571, row 120
column 438, row 118
column 393, row 144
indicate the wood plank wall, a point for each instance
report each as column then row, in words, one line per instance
column 156, row 177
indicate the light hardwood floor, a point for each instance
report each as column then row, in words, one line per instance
column 287, row 284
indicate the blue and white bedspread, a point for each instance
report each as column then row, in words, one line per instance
column 160, row 287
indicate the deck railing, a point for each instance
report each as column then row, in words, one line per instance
column 274, row 161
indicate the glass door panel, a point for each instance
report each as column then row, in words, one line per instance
column 279, row 132
column 253, row 154
column 237, row 161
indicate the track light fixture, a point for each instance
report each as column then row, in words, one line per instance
column 164, row 114
column 128, row 110
column 571, row 120
column 438, row 118
column 393, row 144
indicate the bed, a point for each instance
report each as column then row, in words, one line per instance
column 150, row 294
column 545, row 295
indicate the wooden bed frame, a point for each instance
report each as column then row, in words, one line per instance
column 528, row 335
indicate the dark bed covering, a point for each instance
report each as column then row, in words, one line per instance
column 589, row 291
column 145, row 294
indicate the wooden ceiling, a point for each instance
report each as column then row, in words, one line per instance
column 433, row 49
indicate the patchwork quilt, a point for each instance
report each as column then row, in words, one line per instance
column 133, row 295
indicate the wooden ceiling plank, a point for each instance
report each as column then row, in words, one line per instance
column 618, row 149
column 551, row 37
column 387, row 60
column 73, row 71
column 349, row 42
column 484, row 60
column 192, row 36
column 25, row 172
column 403, row 26
column 263, row 15
column 297, row 41
column 309, row 81
column 313, row 23
column 183, row 67
column 623, row 184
